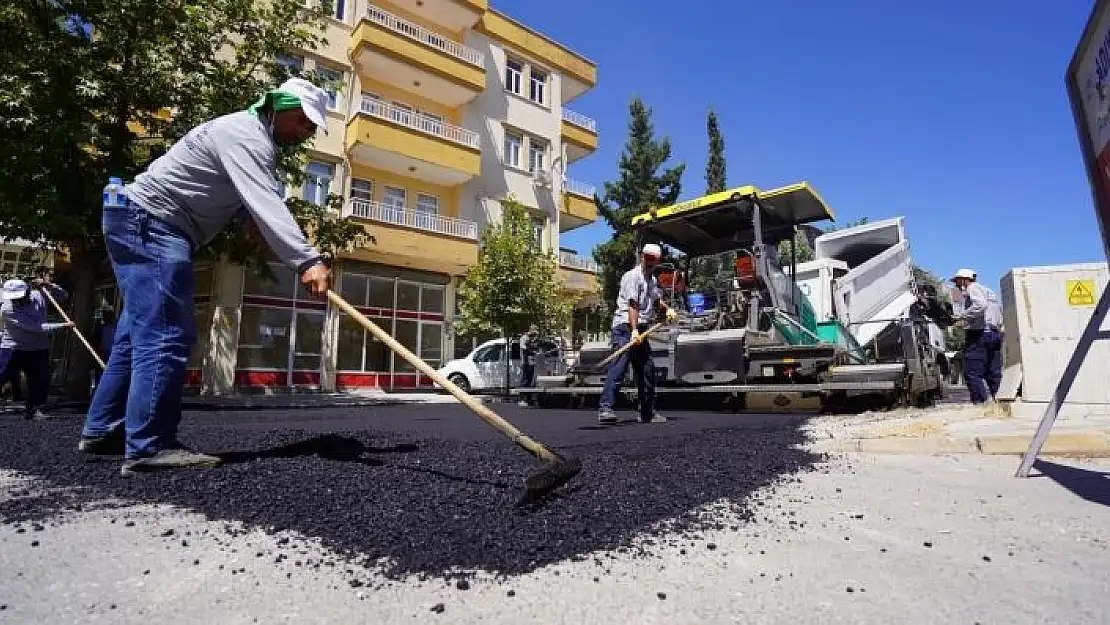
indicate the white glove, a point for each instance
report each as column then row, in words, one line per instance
column 672, row 316
column 635, row 336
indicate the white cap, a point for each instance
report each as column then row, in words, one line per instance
column 314, row 100
column 652, row 249
column 14, row 289
column 964, row 273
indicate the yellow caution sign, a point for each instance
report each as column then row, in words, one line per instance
column 1081, row 292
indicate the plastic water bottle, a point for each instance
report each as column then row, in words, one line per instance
column 115, row 194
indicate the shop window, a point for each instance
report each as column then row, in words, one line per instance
column 353, row 288
column 264, row 338
column 406, row 333
column 284, row 286
column 381, row 293
column 431, row 343
column 378, row 353
column 408, row 296
column 432, row 299
column 204, row 280
column 349, row 346
column 309, row 341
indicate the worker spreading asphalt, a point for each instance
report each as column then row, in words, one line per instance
column 429, row 489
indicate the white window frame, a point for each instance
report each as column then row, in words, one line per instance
column 386, row 200
column 320, row 198
column 537, row 84
column 369, row 189
column 339, row 10
column 536, row 149
column 538, row 228
column 331, row 74
column 435, row 201
column 514, row 76
column 513, row 160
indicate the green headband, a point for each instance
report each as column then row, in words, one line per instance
column 279, row 101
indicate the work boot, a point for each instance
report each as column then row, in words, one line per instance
column 606, row 416
column 654, row 418
column 176, row 458
column 111, row 444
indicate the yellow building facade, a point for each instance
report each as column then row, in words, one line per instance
column 446, row 107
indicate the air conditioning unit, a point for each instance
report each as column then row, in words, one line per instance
column 541, row 178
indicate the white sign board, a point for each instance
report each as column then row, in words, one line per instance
column 1088, row 85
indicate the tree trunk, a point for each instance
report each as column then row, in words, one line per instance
column 80, row 280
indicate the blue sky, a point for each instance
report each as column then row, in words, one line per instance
column 951, row 113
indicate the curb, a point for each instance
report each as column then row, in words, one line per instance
column 1094, row 444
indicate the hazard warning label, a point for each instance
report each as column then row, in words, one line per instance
column 1081, row 292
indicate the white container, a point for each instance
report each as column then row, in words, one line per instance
column 1042, row 328
column 815, row 279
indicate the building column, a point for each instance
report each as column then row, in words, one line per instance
column 218, row 371
column 329, row 343
column 449, row 292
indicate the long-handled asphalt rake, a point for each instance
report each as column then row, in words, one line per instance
column 558, row 470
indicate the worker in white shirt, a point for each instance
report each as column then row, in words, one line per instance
column 980, row 313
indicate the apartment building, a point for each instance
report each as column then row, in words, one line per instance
column 447, row 106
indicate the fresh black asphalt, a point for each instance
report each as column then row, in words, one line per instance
column 431, row 488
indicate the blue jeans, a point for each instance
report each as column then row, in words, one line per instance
column 983, row 364
column 142, row 386
column 643, row 370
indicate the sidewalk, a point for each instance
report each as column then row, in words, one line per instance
column 961, row 428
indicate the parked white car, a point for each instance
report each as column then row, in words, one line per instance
column 484, row 368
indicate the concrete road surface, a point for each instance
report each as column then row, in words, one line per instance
column 850, row 539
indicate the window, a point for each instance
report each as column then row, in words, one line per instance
column 537, row 83
column 264, row 338
column 381, row 293
column 284, row 286
column 537, row 232
column 339, row 9
column 408, row 296
column 512, row 148
column 513, row 71
column 432, row 299
column 395, row 197
column 431, row 343
column 333, row 79
column 362, row 189
column 292, row 65
column 493, row 353
column 536, row 152
column 406, row 332
column 349, row 347
column 318, row 180
column 427, row 204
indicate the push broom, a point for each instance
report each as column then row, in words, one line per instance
column 557, row 470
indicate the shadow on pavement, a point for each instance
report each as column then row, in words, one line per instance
column 1094, row 486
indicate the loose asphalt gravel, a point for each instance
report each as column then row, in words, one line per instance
column 429, row 490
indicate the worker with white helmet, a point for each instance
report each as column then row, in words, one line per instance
column 25, row 339
column 222, row 169
column 979, row 312
column 638, row 299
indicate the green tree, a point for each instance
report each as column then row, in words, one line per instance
column 703, row 271
column 514, row 284
column 69, row 102
column 640, row 186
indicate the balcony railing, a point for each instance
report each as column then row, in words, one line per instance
column 425, row 36
column 579, row 120
column 574, row 261
column 418, row 220
column 579, row 188
column 419, row 122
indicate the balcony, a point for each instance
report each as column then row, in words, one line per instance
column 398, row 140
column 579, row 135
column 415, row 239
column 578, row 274
column 454, row 15
column 578, row 208
column 408, row 56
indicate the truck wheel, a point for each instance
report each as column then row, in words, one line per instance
column 460, row 381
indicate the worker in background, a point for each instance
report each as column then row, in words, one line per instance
column 529, row 350
column 638, row 299
column 27, row 334
column 223, row 168
column 980, row 314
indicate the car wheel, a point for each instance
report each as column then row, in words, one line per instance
column 460, row 381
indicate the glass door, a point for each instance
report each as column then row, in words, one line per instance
column 306, row 348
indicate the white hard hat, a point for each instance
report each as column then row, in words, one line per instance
column 14, row 289
column 964, row 273
column 652, row 249
column 314, row 100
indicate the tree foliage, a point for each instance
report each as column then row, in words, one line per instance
column 704, row 270
column 514, row 284
column 641, row 185
column 95, row 89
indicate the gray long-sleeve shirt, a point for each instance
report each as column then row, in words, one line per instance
column 216, row 169
column 980, row 308
column 25, row 325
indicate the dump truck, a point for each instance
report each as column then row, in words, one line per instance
column 757, row 330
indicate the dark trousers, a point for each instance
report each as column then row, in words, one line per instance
column 983, row 364
column 643, row 370
column 528, row 380
column 35, row 365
